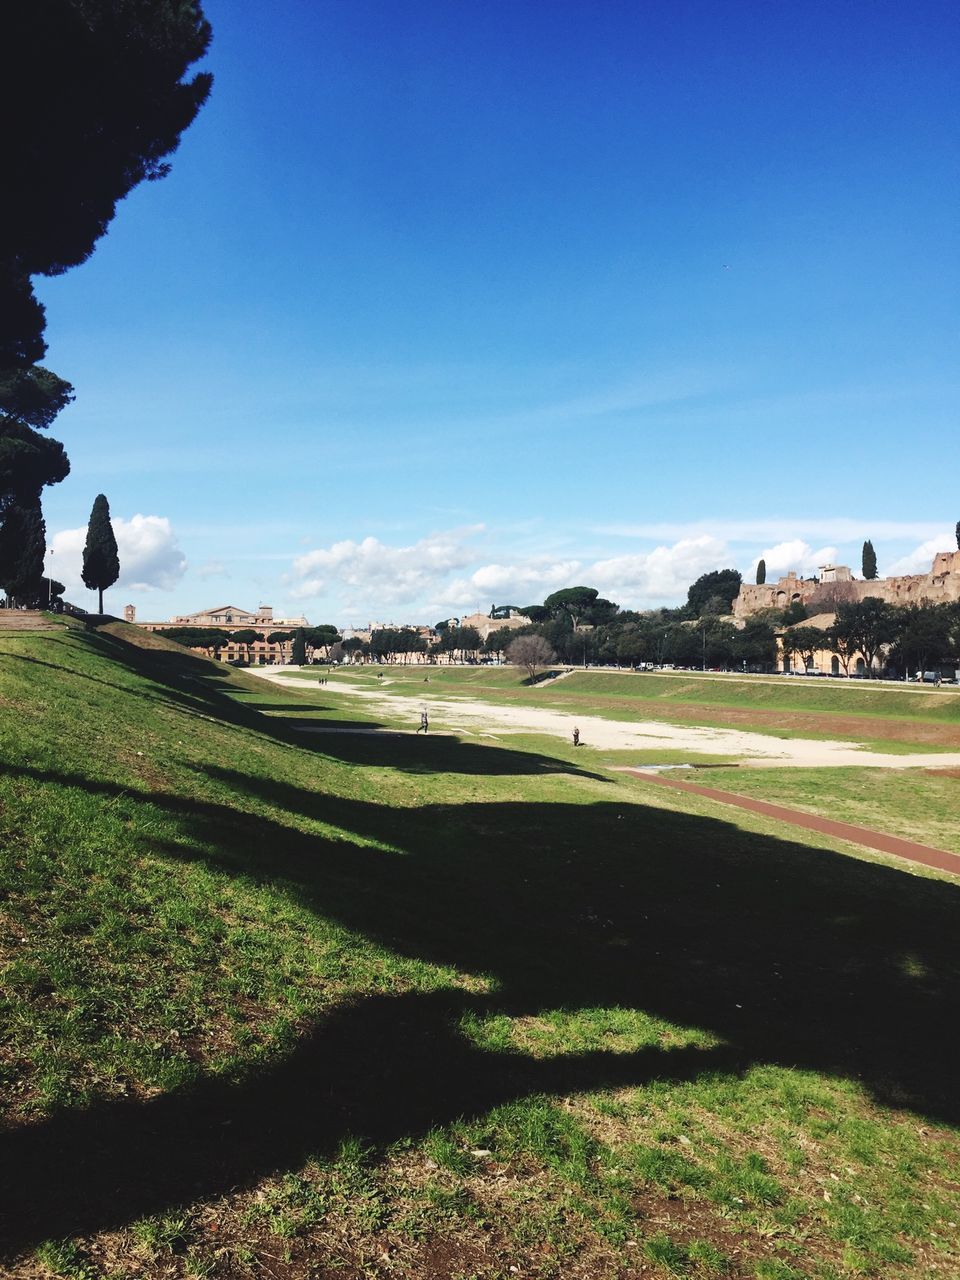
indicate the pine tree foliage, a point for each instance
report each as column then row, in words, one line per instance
column 22, row 551
column 101, row 561
column 96, row 97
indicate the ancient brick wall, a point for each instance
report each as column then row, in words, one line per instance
column 940, row 586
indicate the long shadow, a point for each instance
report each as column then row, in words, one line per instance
column 438, row 754
column 204, row 687
column 786, row 953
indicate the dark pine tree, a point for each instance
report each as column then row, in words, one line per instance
column 100, row 93
column 299, row 655
column 957, row 531
column 23, row 547
column 101, row 563
column 869, row 562
column 761, row 573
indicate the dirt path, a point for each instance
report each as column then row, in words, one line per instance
column 755, row 749
column 839, row 724
column 941, row 859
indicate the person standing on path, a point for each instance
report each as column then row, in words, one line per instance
column 424, row 721
column 576, row 736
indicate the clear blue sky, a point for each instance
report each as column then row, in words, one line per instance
column 452, row 303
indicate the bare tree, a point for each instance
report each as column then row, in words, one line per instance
column 530, row 652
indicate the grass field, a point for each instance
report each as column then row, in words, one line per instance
column 387, row 1006
column 916, row 804
column 921, row 704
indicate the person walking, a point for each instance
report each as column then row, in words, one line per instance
column 576, row 736
column 424, row 721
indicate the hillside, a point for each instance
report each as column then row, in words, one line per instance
column 286, row 1007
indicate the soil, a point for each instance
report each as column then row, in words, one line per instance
column 758, row 750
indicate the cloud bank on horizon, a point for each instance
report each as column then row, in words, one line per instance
column 454, row 571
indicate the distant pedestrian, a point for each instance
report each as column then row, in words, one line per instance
column 576, row 736
column 424, row 722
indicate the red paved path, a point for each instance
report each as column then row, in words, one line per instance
column 908, row 849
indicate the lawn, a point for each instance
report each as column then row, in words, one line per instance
column 276, row 1005
column 921, row 704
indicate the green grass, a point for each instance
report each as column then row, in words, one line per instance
column 836, row 697
column 272, row 1001
column 912, row 803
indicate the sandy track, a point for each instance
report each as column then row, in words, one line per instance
column 756, row 749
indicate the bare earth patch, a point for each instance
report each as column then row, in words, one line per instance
column 755, row 749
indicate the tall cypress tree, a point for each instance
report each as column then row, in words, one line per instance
column 958, row 535
column 869, row 561
column 299, row 654
column 761, row 573
column 101, row 563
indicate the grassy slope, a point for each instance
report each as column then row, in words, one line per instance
column 417, row 1006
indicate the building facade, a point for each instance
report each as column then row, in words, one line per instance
column 229, row 617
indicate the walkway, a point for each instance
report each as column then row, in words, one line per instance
column 941, row 859
column 26, row 620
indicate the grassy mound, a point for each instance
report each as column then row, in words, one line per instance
column 394, row 1006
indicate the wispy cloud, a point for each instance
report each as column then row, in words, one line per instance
column 774, row 530
column 920, row 558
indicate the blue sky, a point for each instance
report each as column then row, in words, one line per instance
column 447, row 304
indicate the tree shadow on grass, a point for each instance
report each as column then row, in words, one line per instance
column 408, row 752
column 785, row 953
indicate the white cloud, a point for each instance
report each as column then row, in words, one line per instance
column 150, row 558
column 794, row 554
column 376, row 574
column 530, row 579
column 920, row 558
column 663, row 574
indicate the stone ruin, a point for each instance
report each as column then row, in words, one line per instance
column 836, row 584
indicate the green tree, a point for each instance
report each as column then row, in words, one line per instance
column 101, row 563
column 722, row 583
column 97, row 90
column 804, row 640
column 104, row 80
column 796, row 611
column 497, row 641
column 323, row 636
column 298, row 655
column 865, row 627
column 761, row 572
column 755, row 645
column 924, row 636
column 210, row 638
column 957, row 532
column 29, row 401
column 869, row 561
column 22, row 551
column 572, row 602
